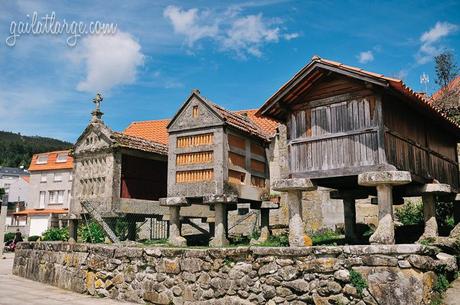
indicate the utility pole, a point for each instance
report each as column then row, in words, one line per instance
column 2, row 221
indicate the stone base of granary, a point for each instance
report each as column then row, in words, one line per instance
column 395, row 274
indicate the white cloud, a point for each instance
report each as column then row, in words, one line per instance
column 247, row 34
column 430, row 39
column 189, row 23
column 110, row 60
column 243, row 35
column 365, row 57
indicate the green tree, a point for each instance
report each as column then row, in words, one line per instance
column 446, row 68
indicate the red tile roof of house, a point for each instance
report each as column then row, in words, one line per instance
column 26, row 178
column 397, row 84
column 156, row 130
column 51, row 163
column 452, row 86
column 41, row 212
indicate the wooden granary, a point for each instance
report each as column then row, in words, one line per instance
column 349, row 129
column 217, row 158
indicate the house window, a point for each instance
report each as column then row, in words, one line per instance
column 57, row 177
column 53, row 197
column 61, row 158
column 195, row 111
column 42, row 159
column 43, row 178
column 60, row 197
column 42, row 200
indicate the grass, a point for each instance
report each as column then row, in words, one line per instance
column 155, row 242
column 358, row 281
column 326, row 237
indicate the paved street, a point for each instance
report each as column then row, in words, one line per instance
column 16, row 290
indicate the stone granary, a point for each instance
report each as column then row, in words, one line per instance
column 216, row 158
column 363, row 134
column 118, row 174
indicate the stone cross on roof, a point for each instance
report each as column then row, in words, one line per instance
column 97, row 114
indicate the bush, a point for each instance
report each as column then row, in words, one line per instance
column 411, row 213
column 357, row 281
column 91, row 232
column 8, row 236
column 54, row 234
column 441, row 284
column 33, row 238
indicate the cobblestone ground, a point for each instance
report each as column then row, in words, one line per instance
column 17, row 291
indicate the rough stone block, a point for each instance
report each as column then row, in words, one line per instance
column 384, row 177
column 294, row 184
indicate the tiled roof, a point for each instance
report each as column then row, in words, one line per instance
column 156, row 130
column 41, row 212
column 26, row 178
column 453, row 86
column 51, row 163
column 267, row 125
column 394, row 83
column 241, row 122
column 13, row 171
column 149, row 130
column 132, row 142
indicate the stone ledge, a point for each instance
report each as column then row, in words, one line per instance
column 384, row 177
column 294, row 184
column 111, row 251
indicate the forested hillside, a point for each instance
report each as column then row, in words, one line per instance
column 17, row 150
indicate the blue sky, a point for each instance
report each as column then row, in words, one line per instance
column 237, row 54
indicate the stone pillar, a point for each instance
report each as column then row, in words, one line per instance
column 457, row 209
column 294, row 188
column 132, row 229
column 174, row 204
column 175, row 238
column 220, row 234
column 429, row 193
column 384, row 182
column 265, row 232
column 73, row 228
column 349, row 211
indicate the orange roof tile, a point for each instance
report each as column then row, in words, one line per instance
column 452, row 86
column 26, row 178
column 51, row 163
column 150, row 130
column 41, row 212
column 156, row 130
column 268, row 125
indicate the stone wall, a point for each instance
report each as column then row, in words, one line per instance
column 396, row 274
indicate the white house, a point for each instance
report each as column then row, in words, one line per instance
column 49, row 191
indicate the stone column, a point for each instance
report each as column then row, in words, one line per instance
column 429, row 193
column 174, row 204
column 220, row 235
column 349, row 211
column 175, row 238
column 384, row 182
column 73, row 228
column 294, row 188
column 457, row 209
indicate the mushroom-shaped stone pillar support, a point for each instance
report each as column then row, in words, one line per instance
column 294, row 188
column 384, row 182
column 429, row 193
column 174, row 204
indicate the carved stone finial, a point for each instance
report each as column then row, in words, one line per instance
column 97, row 114
column 97, row 100
column 196, row 91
